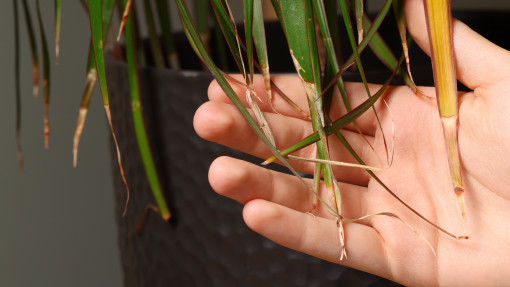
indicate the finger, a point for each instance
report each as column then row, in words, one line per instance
column 293, row 88
column 318, row 236
column 243, row 182
column 223, row 124
column 477, row 58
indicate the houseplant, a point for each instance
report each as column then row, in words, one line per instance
column 344, row 13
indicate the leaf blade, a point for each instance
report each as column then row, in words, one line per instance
column 439, row 19
column 58, row 17
column 17, row 87
column 139, row 123
column 46, row 77
column 199, row 48
column 33, row 47
column 97, row 11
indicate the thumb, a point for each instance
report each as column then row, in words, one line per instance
column 479, row 62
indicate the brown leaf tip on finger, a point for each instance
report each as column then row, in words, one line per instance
column 459, row 192
column 343, row 252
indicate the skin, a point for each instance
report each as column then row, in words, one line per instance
column 277, row 205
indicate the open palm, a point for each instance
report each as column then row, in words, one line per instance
column 277, row 205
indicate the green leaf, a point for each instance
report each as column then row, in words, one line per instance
column 384, row 53
column 350, row 33
column 90, row 82
column 351, row 60
column 229, row 32
column 332, row 61
column 332, row 18
column 98, row 11
column 153, row 37
column 358, row 7
column 202, row 19
column 96, row 27
column 295, row 25
column 337, row 124
column 46, row 77
column 194, row 39
column 221, row 49
column 248, row 28
column 259, row 38
column 299, row 26
column 17, row 89
column 58, row 17
column 348, row 26
column 168, row 36
column 138, row 120
column 398, row 9
column 202, row 16
column 33, row 47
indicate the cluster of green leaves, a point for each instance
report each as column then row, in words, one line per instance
column 300, row 20
column 311, row 30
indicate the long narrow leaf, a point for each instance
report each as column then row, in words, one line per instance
column 259, row 38
column 334, row 127
column 350, row 33
column 221, row 49
column 142, row 57
column 398, row 9
column 157, row 54
column 127, row 9
column 358, row 7
column 202, row 20
column 17, row 86
column 97, row 10
column 332, row 61
column 299, row 27
column 229, row 32
column 443, row 62
column 98, row 35
column 366, row 40
column 168, row 38
column 199, row 48
column 384, row 53
column 58, row 17
column 337, row 124
column 248, row 28
column 33, row 47
column 248, row 11
column 297, row 19
column 90, row 81
column 378, row 180
column 138, row 120
column 46, row 78
column 332, row 18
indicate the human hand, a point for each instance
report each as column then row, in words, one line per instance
column 276, row 204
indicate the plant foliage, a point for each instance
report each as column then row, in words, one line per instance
column 311, row 31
